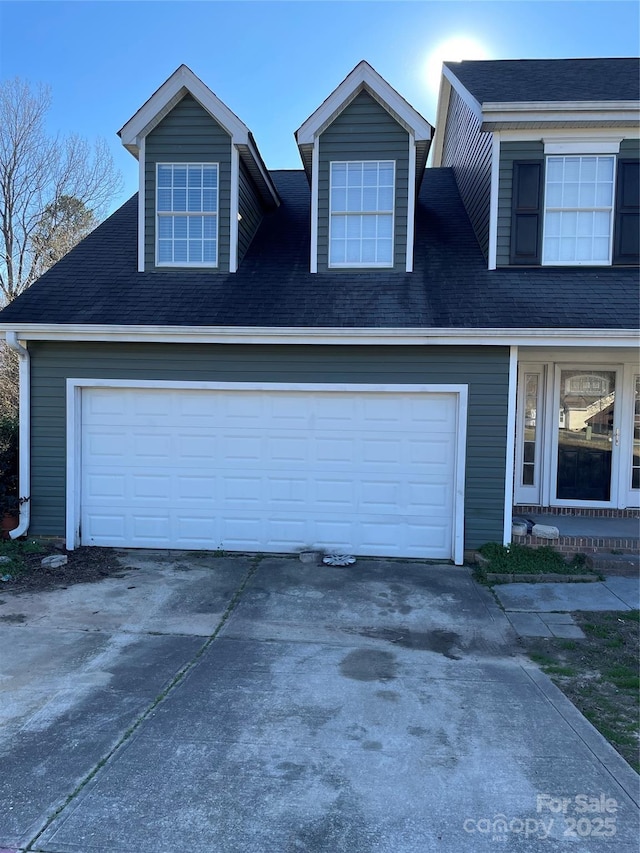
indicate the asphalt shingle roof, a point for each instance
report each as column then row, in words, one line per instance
column 98, row 282
column 521, row 80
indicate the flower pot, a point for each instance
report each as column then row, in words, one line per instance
column 8, row 522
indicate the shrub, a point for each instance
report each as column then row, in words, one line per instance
column 9, row 499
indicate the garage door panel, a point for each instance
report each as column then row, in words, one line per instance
column 196, row 530
column 195, row 488
column 242, row 490
column 152, row 487
column 363, row 472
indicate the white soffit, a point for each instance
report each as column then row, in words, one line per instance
column 364, row 78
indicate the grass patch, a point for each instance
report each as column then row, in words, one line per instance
column 600, row 674
column 17, row 551
column 522, row 560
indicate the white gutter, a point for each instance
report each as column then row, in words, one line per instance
column 324, row 335
column 24, row 436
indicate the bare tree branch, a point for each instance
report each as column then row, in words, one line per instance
column 39, row 175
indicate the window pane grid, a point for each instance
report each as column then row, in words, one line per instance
column 187, row 206
column 361, row 207
column 578, row 210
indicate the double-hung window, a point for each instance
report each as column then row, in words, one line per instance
column 361, row 213
column 187, row 214
column 578, row 210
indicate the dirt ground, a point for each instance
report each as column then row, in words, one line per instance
column 24, row 572
column 600, row 675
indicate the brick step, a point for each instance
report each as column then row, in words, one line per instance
column 601, row 545
column 622, row 565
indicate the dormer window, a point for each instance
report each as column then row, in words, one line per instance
column 187, row 214
column 361, row 213
column 578, row 215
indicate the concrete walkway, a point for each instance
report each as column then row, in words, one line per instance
column 239, row 705
column 544, row 609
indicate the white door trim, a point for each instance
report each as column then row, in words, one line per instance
column 75, row 387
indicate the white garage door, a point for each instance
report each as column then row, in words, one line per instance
column 367, row 473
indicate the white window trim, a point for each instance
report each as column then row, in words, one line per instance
column 392, row 212
column 75, row 386
column 612, row 209
column 142, row 196
column 216, row 216
column 561, row 146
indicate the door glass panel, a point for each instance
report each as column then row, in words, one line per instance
column 585, row 434
column 528, row 477
column 635, row 460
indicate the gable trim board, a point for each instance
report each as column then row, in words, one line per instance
column 183, row 81
column 412, row 533
column 363, row 78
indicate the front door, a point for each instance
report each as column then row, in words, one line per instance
column 587, row 434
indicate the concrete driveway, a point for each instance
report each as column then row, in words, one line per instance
column 259, row 704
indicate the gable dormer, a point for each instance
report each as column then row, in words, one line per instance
column 203, row 187
column 546, row 157
column 364, row 151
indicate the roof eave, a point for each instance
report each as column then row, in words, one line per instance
column 560, row 113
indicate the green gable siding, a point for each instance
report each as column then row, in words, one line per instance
column 534, row 150
column 510, row 151
column 250, row 210
column 364, row 131
column 467, row 150
column 188, row 134
column 484, row 369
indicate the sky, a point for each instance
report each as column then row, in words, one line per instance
column 273, row 63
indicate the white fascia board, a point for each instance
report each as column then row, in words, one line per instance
column 464, row 93
column 444, row 96
column 327, row 335
column 182, row 80
column 363, row 75
column 570, row 135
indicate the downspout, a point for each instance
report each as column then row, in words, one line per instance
column 24, row 436
column 510, row 461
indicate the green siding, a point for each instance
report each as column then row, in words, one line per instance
column 630, row 148
column 534, row 150
column 188, row 134
column 364, row 131
column 484, row 369
column 250, row 211
column 467, row 150
column 510, row 151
